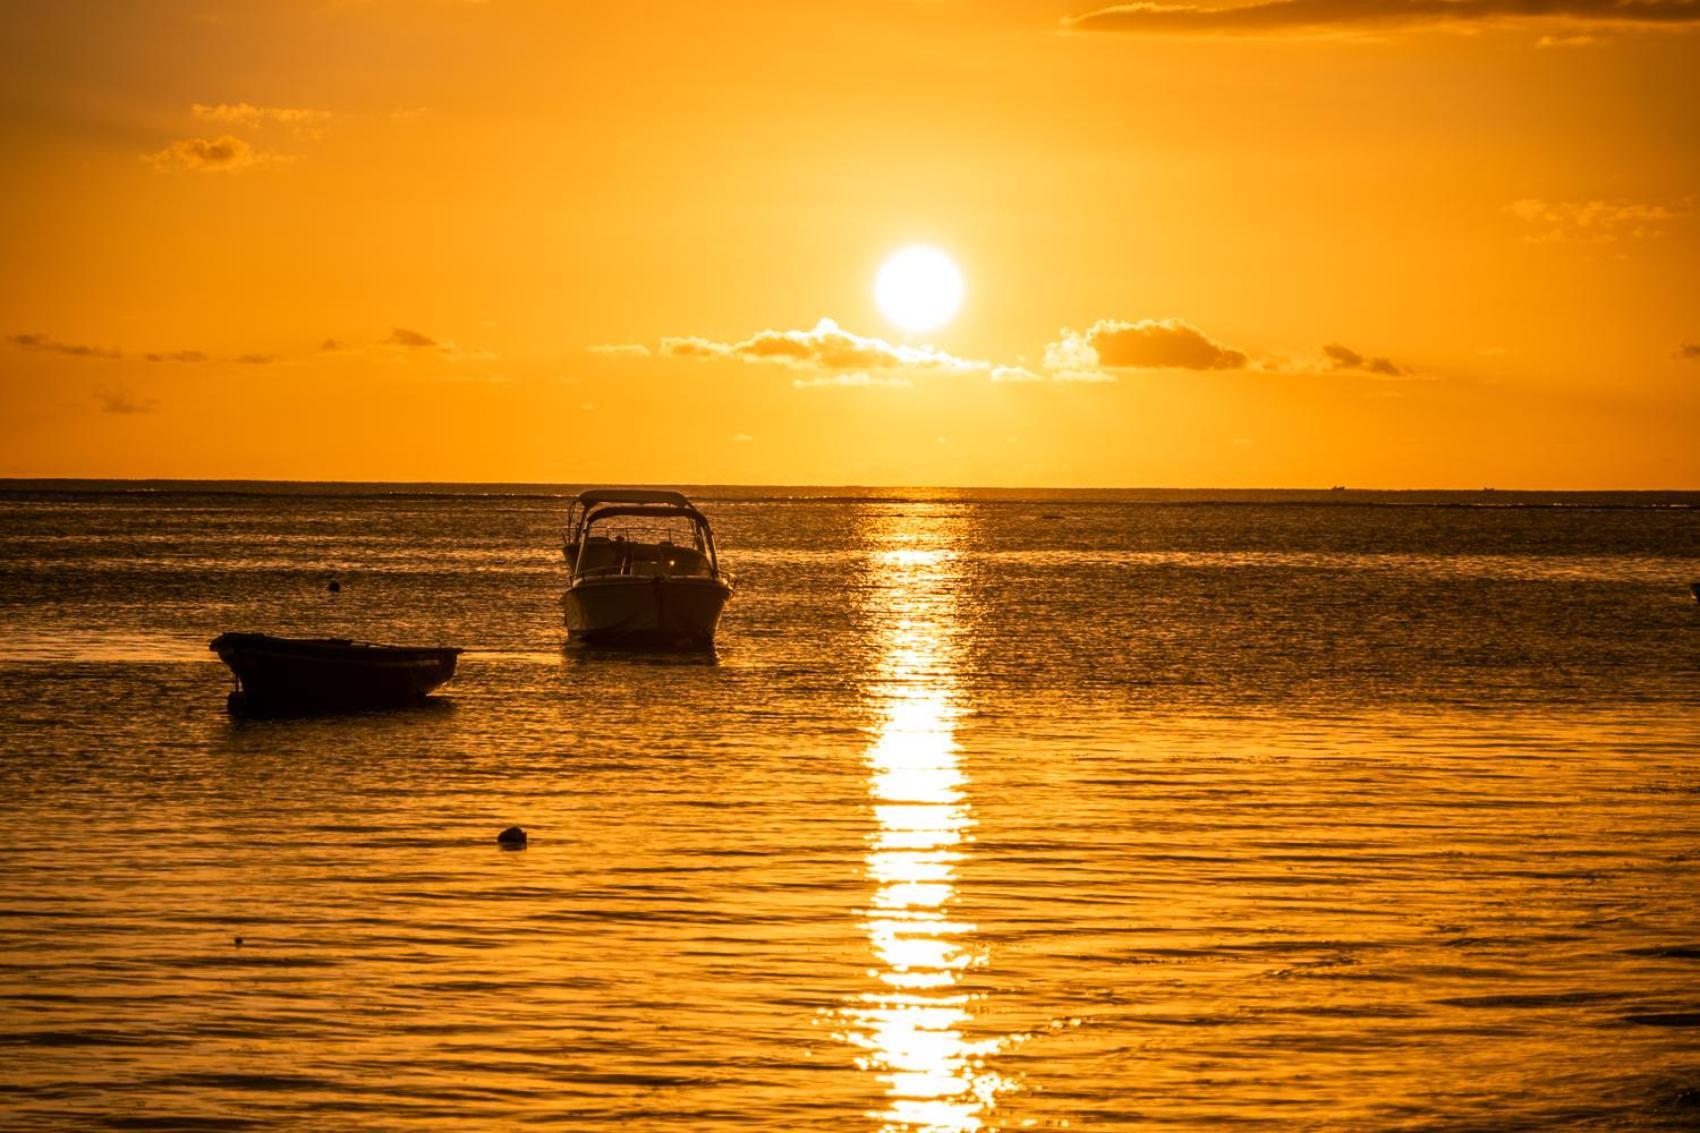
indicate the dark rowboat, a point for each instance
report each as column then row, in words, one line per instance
column 281, row 675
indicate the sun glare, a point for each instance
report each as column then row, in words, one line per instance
column 919, row 288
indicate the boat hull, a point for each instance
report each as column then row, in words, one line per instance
column 283, row 676
column 648, row 613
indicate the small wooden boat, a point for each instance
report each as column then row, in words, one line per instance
column 282, row 675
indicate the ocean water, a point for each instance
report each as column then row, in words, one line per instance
column 991, row 811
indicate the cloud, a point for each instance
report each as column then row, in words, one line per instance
column 119, row 401
column 203, row 356
column 191, row 357
column 1150, row 344
column 1688, row 352
column 331, row 344
column 413, row 344
column 1015, row 374
column 305, row 122
column 205, row 155
column 621, row 350
column 54, row 346
column 828, row 347
column 1345, row 358
column 850, row 381
column 401, row 336
column 1314, row 17
column 1595, row 222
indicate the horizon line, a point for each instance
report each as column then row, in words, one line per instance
column 12, row 482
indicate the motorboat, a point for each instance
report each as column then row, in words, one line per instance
column 286, row 676
column 643, row 571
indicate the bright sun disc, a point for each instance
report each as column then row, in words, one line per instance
column 918, row 288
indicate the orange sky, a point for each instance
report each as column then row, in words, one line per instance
column 1383, row 243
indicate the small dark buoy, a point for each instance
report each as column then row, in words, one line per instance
column 1694, row 589
column 335, row 587
column 238, row 940
column 513, row 838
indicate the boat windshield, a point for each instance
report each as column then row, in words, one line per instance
column 674, row 529
column 631, row 542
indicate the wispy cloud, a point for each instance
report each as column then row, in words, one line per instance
column 621, row 350
column 304, row 122
column 54, row 346
column 213, row 155
column 1326, row 17
column 1595, row 221
column 408, row 342
column 1688, row 352
column 856, row 380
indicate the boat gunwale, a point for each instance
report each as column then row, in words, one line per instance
column 329, row 650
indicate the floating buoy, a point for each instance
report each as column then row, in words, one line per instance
column 335, row 587
column 513, row 838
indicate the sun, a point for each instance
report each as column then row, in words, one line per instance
column 919, row 288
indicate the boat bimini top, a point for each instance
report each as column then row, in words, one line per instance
column 632, row 496
column 641, row 554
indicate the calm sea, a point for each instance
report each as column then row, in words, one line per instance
column 993, row 811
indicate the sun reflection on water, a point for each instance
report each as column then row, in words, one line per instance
column 913, row 1027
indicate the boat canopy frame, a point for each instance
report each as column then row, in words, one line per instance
column 598, row 504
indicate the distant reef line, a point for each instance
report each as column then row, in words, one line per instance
column 847, row 494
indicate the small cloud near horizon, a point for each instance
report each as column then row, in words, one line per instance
column 827, row 347
column 213, row 155
column 120, row 401
column 1150, row 344
column 856, row 380
column 1015, row 374
column 1377, row 17
column 412, row 339
column 1345, row 358
column 620, row 349
column 1688, row 352
column 52, row 345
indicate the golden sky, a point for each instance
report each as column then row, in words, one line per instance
column 1383, row 243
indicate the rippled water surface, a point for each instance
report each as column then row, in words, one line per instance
column 1277, row 811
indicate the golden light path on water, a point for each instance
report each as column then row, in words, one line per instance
column 912, row 1026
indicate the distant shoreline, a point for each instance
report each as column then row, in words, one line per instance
column 1678, row 499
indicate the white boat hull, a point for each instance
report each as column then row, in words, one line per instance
column 652, row 612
